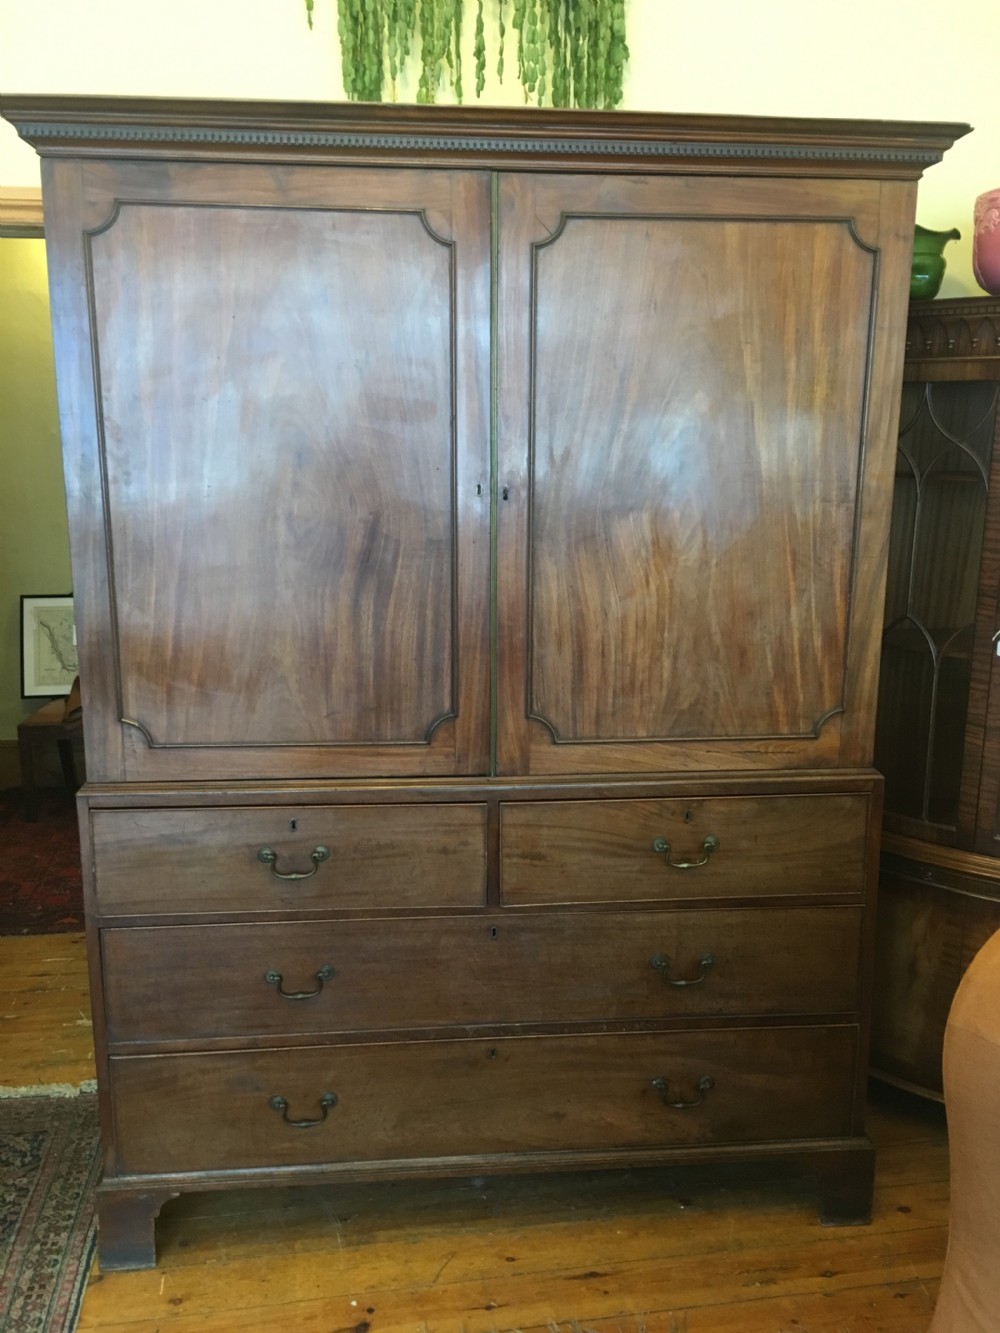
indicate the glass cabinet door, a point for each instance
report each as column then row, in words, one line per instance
column 931, row 696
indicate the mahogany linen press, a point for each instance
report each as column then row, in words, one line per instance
column 479, row 526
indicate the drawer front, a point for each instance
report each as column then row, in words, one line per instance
column 419, row 1100
column 194, row 982
column 204, row 860
column 713, row 847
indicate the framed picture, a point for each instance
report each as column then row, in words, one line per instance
column 48, row 646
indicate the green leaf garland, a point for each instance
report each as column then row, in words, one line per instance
column 569, row 52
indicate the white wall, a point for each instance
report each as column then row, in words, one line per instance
column 882, row 59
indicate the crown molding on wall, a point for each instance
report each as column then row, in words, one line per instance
column 20, row 211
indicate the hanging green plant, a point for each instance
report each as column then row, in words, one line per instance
column 569, row 52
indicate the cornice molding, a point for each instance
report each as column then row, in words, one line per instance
column 147, row 127
column 39, row 133
column 20, row 211
column 953, row 333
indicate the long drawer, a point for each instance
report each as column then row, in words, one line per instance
column 713, row 847
column 196, row 982
column 220, row 858
column 446, row 1099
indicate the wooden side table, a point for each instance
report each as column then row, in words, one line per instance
column 48, row 724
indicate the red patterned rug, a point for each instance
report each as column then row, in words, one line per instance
column 49, row 1163
column 41, row 890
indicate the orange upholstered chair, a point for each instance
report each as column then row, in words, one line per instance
column 970, row 1286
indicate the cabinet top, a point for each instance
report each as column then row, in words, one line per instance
column 129, row 127
column 953, row 339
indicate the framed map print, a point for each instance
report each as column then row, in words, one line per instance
column 48, row 646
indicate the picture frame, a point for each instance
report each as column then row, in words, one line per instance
column 49, row 662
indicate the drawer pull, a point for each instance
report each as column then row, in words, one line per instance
column 270, row 858
column 710, row 845
column 662, row 965
column 662, row 1086
column 326, row 1102
column 274, row 978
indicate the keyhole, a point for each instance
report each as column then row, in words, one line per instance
column 688, row 814
column 493, row 932
column 491, row 1054
column 293, row 824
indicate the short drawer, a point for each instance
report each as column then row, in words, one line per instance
column 713, row 847
column 188, row 983
column 473, row 1098
column 204, row 860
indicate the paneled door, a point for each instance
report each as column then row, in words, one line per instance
column 692, row 472
column 289, row 434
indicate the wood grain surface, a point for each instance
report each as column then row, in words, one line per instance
column 543, row 969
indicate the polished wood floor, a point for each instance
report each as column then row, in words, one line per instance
column 665, row 1251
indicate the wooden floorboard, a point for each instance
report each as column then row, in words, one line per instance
column 693, row 1250
column 46, row 1035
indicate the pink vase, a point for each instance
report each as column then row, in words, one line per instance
column 986, row 242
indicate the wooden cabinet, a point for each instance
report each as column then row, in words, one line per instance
column 938, row 731
column 479, row 528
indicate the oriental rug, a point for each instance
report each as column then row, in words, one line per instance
column 49, row 1161
column 41, row 882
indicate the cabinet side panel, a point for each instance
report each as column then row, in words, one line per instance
column 895, row 244
column 66, row 216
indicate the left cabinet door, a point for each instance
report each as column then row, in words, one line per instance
column 274, row 391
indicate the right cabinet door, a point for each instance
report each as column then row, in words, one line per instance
column 697, row 405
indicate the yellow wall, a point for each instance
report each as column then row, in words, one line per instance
column 34, row 548
column 882, row 59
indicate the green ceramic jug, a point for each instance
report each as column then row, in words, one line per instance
column 928, row 263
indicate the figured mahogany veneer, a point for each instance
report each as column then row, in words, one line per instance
column 582, row 967
column 208, row 860
column 604, row 851
column 479, row 528
column 474, row 1098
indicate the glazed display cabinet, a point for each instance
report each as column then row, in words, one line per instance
column 479, row 558
column 938, row 728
